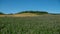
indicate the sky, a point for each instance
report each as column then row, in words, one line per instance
column 14, row 6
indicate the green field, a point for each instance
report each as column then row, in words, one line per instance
column 45, row 24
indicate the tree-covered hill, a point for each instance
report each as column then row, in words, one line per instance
column 35, row 12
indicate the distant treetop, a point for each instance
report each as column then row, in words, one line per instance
column 1, row 13
column 38, row 12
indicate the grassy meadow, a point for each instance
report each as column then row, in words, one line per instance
column 44, row 24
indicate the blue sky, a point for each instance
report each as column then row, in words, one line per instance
column 13, row 6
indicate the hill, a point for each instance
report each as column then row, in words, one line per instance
column 25, row 14
column 34, row 12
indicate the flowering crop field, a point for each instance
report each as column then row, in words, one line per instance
column 46, row 24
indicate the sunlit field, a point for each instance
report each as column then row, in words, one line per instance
column 44, row 24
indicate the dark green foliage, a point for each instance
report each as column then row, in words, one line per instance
column 1, row 13
column 54, row 13
column 36, row 12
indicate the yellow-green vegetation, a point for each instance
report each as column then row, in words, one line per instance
column 30, row 22
column 24, row 14
column 45, row 24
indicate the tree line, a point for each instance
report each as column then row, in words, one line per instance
column 37, row 12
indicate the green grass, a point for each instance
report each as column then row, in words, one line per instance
column 30, row 25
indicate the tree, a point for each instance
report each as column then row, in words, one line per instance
column 1, row 13
column 36, row 12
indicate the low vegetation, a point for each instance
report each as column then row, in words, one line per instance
column 30, row 25
column 42, row 24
